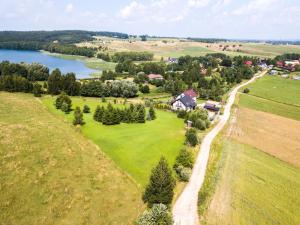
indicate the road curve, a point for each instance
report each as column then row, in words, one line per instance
column 185, row 210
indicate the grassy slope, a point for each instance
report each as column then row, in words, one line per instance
column 51, row 174
column 136, row 148
column 277, row 89
column 255, row 188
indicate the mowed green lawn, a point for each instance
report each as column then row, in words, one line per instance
column 277, row 89
column 255, row 188
column 136, row 148
column 51, row 174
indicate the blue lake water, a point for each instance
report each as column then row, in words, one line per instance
column 65, row 65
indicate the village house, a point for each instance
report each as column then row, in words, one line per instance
column 248, row 63
column 155, row 77
column 186, row 101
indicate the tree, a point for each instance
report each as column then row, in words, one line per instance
column 55, row 82
column 152, row 115
column 63, row 98
column 157, row 215
column 141, row 114
column 184, row 158
column 191, row 137
column 98, row 115
column 78, row 117
column 145, row 89
column 86, row 109
column 65, row 108
column 246, row 90
column 160, row 188
column 37, row 90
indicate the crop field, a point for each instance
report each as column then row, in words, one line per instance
column 277, row 89
column 135, row 148
column 51, row 174
column 275, row 135
column 172, row 47
column 254, row 188
column 265, row 105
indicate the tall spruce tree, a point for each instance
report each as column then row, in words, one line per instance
column 141, row 114
column 161, row 185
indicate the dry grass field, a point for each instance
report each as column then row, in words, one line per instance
column 51, row 174
column 275, row 135
column 173, row 47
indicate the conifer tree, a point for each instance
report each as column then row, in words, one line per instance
column 152, row 114
column 141, row 114
column 160, row 188
column 78, row 117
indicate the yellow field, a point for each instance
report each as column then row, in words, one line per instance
column 275, row 135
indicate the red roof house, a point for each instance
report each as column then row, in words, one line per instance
column 155, row 77
column 190, row 93
column 248, row 63
column 280, row 63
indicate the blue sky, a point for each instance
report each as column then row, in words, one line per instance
column 244, row 19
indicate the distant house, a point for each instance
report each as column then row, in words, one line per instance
column 155, row 77
column 280, row 64
column 248, row 63
column 292, row 63
column 172, row 60
column 212, row 106
column 184, row 102
column 273, row 72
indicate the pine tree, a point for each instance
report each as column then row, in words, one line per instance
column 37, row 90
column 86, row 109
column 108, row 115
column 78, row 117
column 141, row 114
column 152, row 114
column 161, row 185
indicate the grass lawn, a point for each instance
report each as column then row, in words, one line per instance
column 260, row 104
column 51, row 174
column 277, row 89
column 136, row 148
column 254, row 188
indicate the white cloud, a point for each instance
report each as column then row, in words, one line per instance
column 131, row 9
column 198, row 3
column 69, row 8
column 255, row 6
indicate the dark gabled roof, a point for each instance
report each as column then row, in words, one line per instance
column 187, row 101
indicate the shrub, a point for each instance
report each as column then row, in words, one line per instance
column 184, row 158
column 145, row 89
column 158, row 214
column 86, row 109
column 78, row 117
column 37, row 90
column 181, row 114
column 152, row 115
column 191, row 137
column 65, row 108
column 246, row 90
column 183, row 173
column 61, row 99
column 160, row 188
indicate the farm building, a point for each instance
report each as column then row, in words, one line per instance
column 155, row 77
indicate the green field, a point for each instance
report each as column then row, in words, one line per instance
column 51, row 174
column 255, row 188
column 260, row 104
column 135, row 148
column 277, row 89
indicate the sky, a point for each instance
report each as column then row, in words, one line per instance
column 235, row 19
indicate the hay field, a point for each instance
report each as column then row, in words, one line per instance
column 51, row 174
column 275, row 135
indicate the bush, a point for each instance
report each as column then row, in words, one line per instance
column 184, row 158
column 86, row 109
column 145, row 89
column 78, row 117
column 158, row 214
column 191, row 137
column 37, row 90
column 61, row 99
column 183, row 173
column 181, row 114
column 152, row 115
column 246, row 90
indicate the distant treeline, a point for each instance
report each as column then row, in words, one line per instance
column 208, row 40
column 133, row 56
column 64, row 36
column 288, row 56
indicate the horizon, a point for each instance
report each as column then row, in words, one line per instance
column 220, row 19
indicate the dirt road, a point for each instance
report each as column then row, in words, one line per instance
column 185, row 208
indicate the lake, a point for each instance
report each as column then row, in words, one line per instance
column 65, row 65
